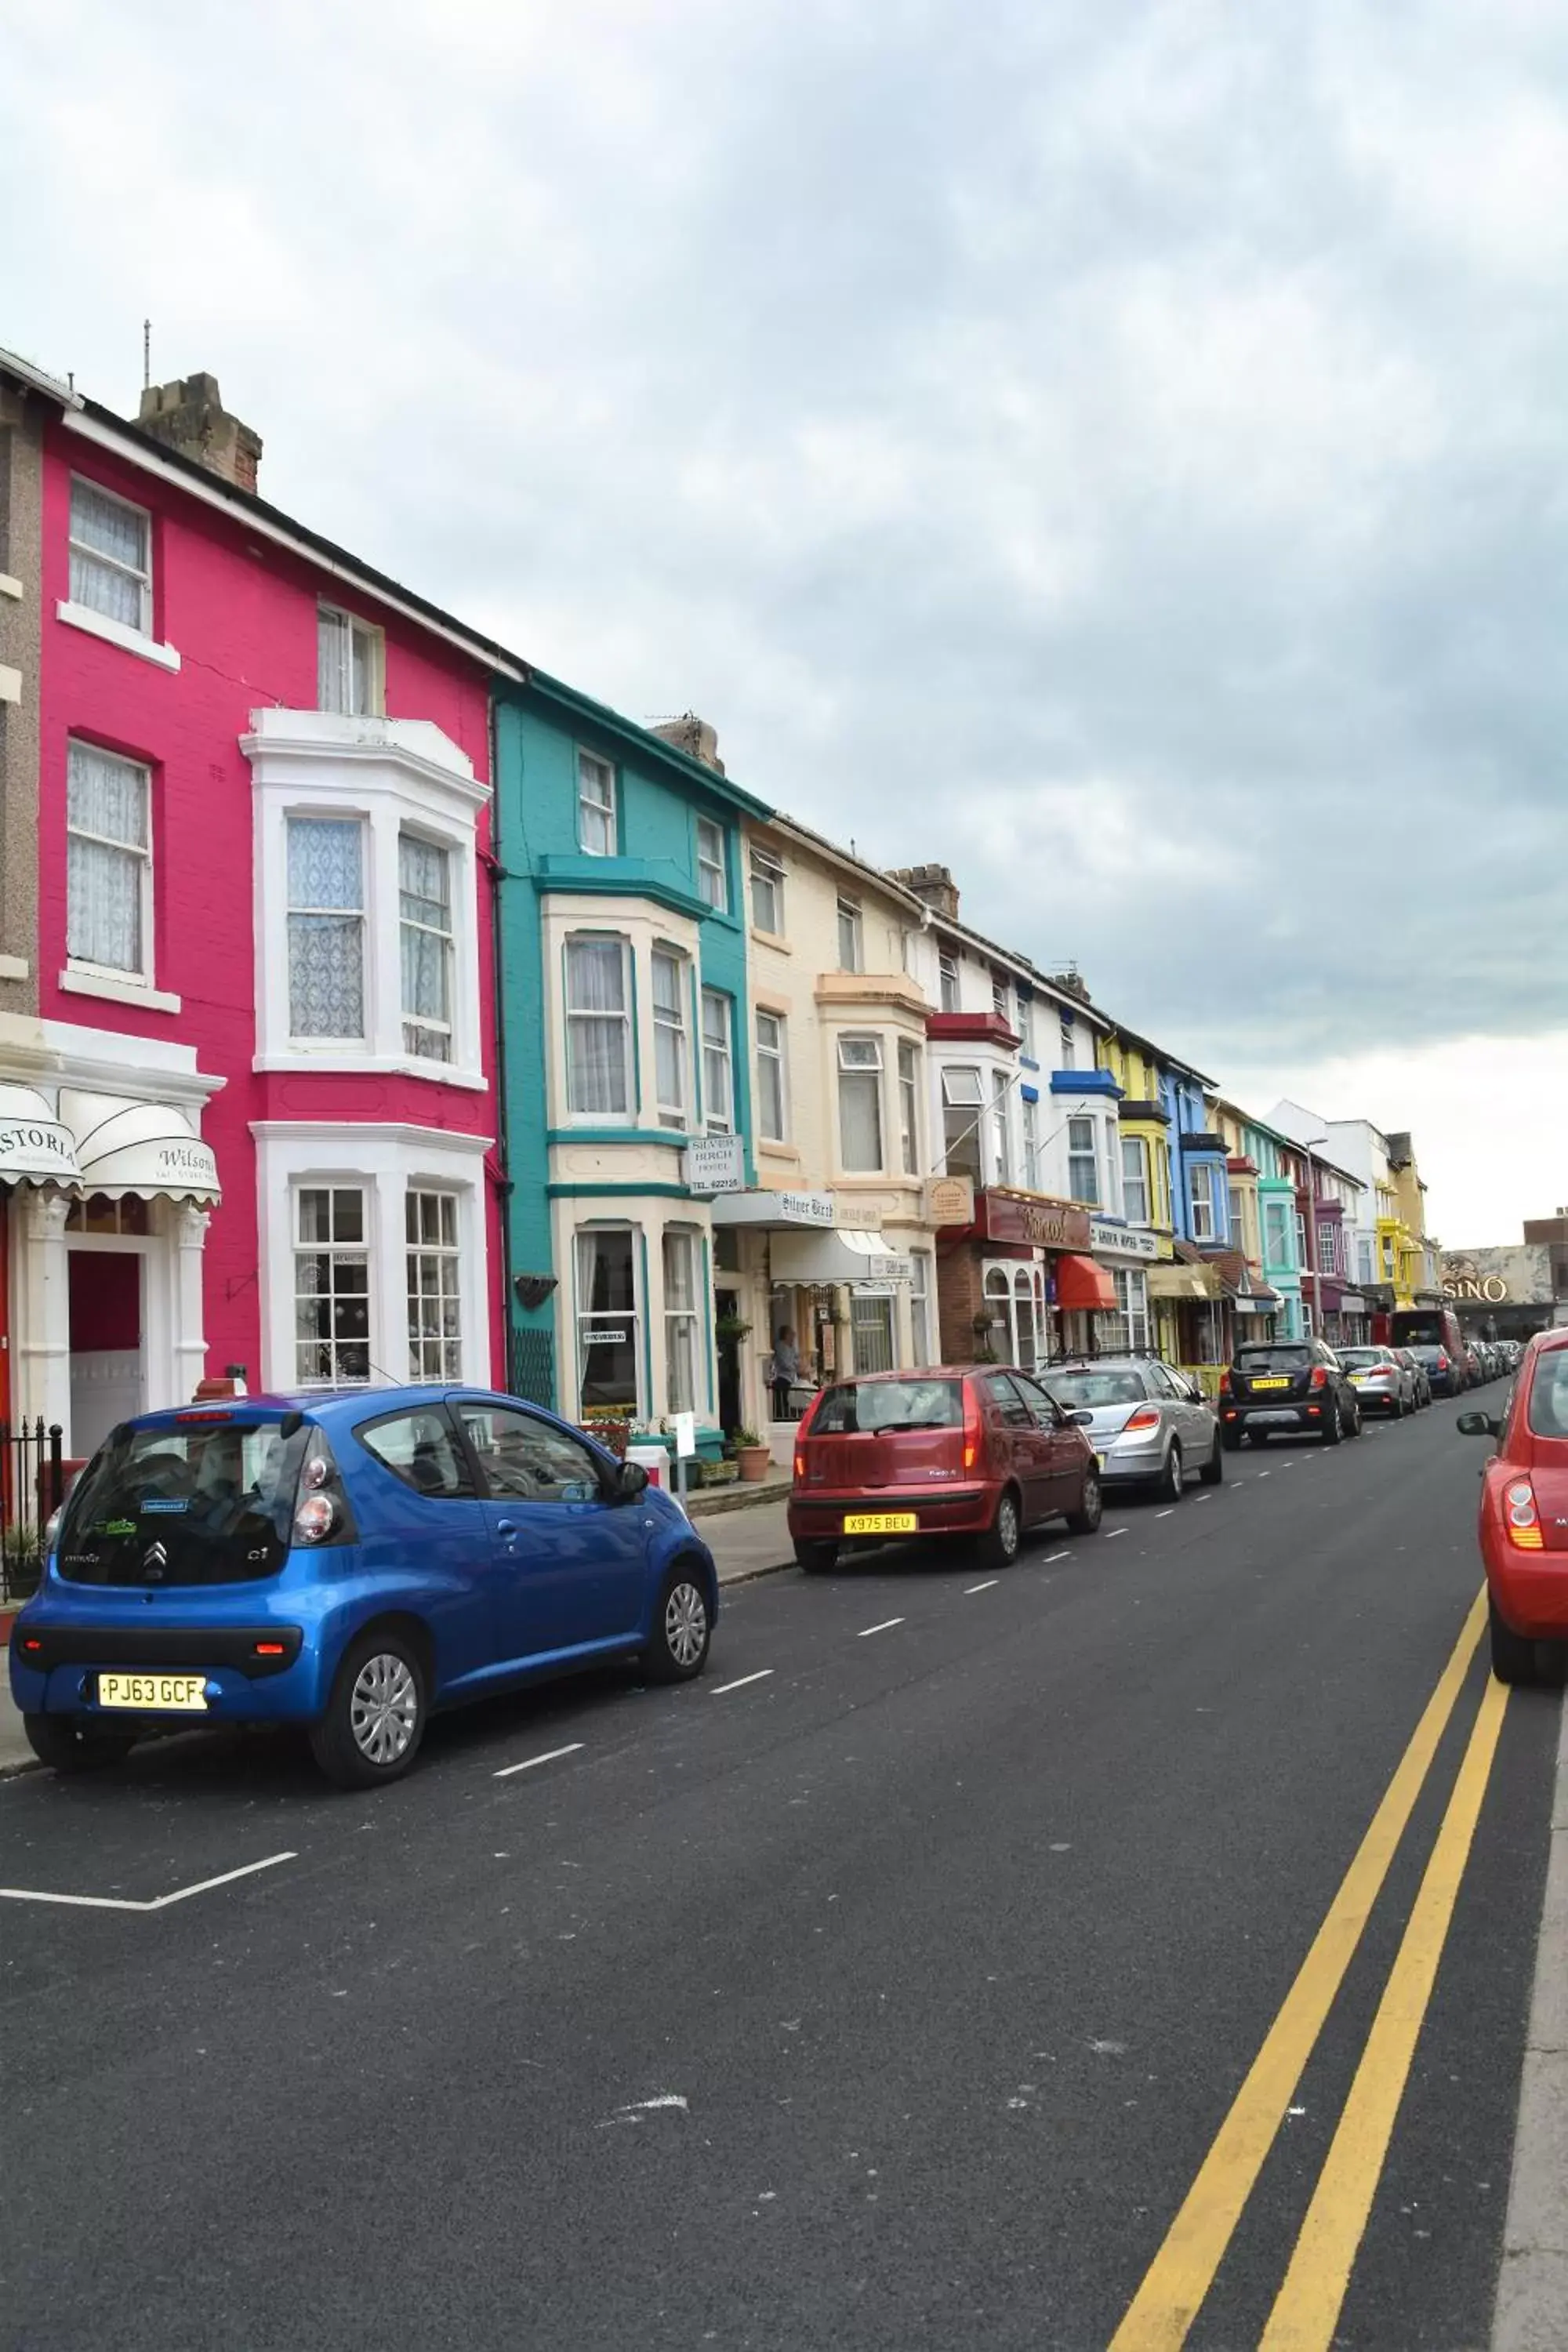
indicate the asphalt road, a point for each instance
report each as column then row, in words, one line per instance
column 892, row 1998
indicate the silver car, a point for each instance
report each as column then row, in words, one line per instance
column 1382, row 1383
column 1147, row 1422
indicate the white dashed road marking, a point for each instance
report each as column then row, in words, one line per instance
column 1112, row 1534
column 550, row 1756
column 980, row 1588
column 1054, row 1555
column 1164, row 1514
column 761, row 1676
column 159, row 1902
column 886, row 1626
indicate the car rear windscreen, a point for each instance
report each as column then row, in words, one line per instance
column 1411, row 1328
column 210, row 1501
column 1281, row 1358
column 1086, row 1391
column 1359, row 1356
column 860, row 1408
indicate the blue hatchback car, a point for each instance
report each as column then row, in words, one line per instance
column 346, row 1562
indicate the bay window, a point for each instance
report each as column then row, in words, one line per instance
column 332, row 1287
column 326, row 927
column 1032, row 1142
column 435, row 1289
column 1083, row 1161
column 670, row 1048
column 109, row 862
column 425, row 919
column 681, row 1334
column 1135, row 1180
column 909, row 1108
column 1001, row 1150
column 860, row 1106
column 598, row 1028
column 963, row 1109
column 1201, row 1193
column 717, row 1063
column 606, row 1318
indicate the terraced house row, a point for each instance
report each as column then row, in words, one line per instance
column 374, row 1005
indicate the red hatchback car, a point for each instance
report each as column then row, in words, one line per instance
column 1524, row 1511
column 977, row 1452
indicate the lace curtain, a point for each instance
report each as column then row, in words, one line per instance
column 326, row 928
column 424, row 906
column 106, row 816
column 102, row 528
column 596, row 1076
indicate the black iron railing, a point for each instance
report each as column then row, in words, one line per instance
column 32, row 1486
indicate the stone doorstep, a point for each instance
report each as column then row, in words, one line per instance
column 709, row 1502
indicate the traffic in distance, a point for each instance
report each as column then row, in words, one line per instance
column 350, row 1562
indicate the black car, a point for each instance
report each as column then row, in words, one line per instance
column 1287, row 1384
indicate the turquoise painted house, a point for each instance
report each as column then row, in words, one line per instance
column 621, row 960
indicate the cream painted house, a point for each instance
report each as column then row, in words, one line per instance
column 833, row 1244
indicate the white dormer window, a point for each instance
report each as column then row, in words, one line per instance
column 348, row 663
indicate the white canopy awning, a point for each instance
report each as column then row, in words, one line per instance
column 843, row 1256
column 35, row 1148
column 145, row 1148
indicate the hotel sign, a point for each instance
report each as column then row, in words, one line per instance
column 1121, row 1241
column 1032, row 1217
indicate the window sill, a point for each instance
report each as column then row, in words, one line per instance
column 120, row 991
column 775, row 939
column 766, row 1150
column 15, row 967
column 339, row 1057
column 115, row 632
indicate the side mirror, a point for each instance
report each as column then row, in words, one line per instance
column 1478, row 1425
column 1081, row 1420
column 631, row 1481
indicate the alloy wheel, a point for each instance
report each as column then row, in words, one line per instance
column 685, row 1624
column 384, row 1708
column 1008, row 1526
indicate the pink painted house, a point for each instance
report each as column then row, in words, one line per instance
column 252, row 1095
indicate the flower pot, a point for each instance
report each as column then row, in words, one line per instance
column 756, row 1462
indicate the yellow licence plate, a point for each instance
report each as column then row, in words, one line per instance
column 159, row 1694
column 1271, row 1384
column 880, row 1523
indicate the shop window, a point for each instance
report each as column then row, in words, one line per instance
column 434, row 1295
column 607, row 1319
column 851, row 936
column 1083, row 1162
column 349, row 663
column 669, row 1041
column 425, row 914
column 773, row 1092
column 963, row 1113
column 111, row 558
column 598, row 1028
column 860, row 1105
column 681, row 1324
column 332, row 1287
column 717, row 1063
column 108, row 863
column 326, row 927
column 713, row 871
column 767, row 890
column 871, row 1321
column 595, row 806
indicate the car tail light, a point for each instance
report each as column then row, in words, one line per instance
column 1442, row 1364
column 973, row 1431
column 1146, row 1417
column 1224, row 1384
column 1319, row 1377
column 1521, row 1517
column 322, row 1513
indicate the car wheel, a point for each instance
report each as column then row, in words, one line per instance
column 1086, row 1519
column 1513, row 1658
column 74, row 1743
column 1213, row 1470
column 1169, row 1489
column 374, row 1720
column 1333, row 1428
column 999, row 1545
column 817, row 1559
column 682, row 1629
column 1355, row 1424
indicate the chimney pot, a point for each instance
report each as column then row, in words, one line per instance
column 934, row 884
column 189, row 416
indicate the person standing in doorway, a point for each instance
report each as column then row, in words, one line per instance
column 786, row 1370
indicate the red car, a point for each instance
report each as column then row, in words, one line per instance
column 1524, row 1511
column 976, row 1451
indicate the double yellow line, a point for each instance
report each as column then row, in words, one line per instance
column 1306, row 2307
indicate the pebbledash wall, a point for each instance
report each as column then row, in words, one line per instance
column 215, row 705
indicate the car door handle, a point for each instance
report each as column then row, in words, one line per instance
column 506, row 1526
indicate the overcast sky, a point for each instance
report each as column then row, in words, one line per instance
column 1118, row 450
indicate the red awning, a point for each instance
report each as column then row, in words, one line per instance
column 1081, row 1283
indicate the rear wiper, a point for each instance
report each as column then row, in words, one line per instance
column 889, row 1428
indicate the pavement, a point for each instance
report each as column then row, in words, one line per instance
column 1136, row 1946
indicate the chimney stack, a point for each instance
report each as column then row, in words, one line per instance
column 694, row 737
column 189, row 416
column 934, row 884
column 1071, row 982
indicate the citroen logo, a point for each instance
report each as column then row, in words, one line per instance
column 155, row 1560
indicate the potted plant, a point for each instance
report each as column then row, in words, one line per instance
column 752, row 1455
column 731, row 1329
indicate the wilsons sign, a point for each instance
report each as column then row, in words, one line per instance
column 1520, row 1276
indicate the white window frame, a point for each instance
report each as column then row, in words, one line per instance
column 306, row 1043
column 1026, row 1025
column 856, row 1067
column 851, row 935
column 591, row 1117
column 422, row 1021
column 719, row 1093
column 1201, row 1201
column 908, row 1085
column 682, row 1319
column 947, row 982
column 1031, row 1104
column 390, row 776
column 142, row 976
column 970, row 1130
column 1001, row 1126
column 336, row 633
column 1066, row 1043
column 333, row 1249
column 1001, row 995
column 670, row 1022
column 777, row 1053
column 1077, row 1153
column 88, row 554
column 596, row 812
column 446, row 1256
column 1137, row 1182
column 765, row 870
column 712, row 866
column 583, row 1315
column 921, row 1352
